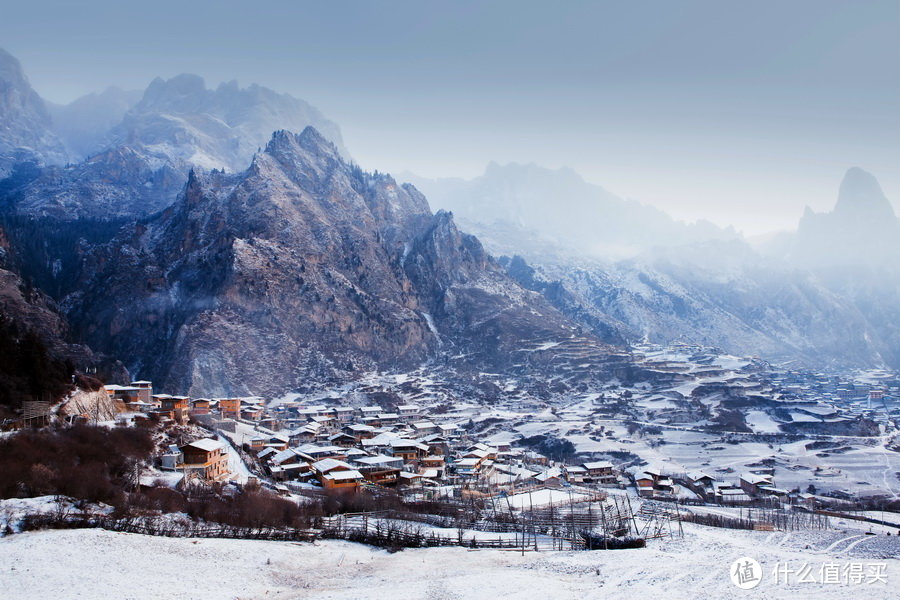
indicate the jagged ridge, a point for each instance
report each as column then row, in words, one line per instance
column 302, row 267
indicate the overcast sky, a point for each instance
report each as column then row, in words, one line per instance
column 739, row 112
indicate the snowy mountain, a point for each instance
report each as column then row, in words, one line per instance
column 303, row 268
column 737, row 301
column 26, row 133
column 827, row 295
column 135, row 157
column 181, row 121
column 621, row 270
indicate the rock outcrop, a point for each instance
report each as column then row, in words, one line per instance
column 26, row 133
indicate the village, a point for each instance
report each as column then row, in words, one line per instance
column 714, row 433
column 690, row 447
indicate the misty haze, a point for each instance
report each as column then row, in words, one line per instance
column 501, row 299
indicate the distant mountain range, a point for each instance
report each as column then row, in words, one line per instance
column 84, row 124
column 828, row 294
column 174, row 231
column 121, row 155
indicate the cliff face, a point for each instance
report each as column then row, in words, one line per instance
column 25, row 125
column 302, row 267
column 37, row 355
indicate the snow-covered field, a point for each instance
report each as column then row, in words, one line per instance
column 98, row 564
column 544, row 497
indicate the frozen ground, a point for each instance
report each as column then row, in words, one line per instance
column 98, row 565
column 544, row 497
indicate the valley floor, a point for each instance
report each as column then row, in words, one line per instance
column 98, row 564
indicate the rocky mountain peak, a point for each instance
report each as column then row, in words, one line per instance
column 304, row 266
column 11, row 70
column 185, row 92
column 25, row 124
column 287, row 146
column 861, row 230
column 178, row 124
column 860, row 194
column 214, row 128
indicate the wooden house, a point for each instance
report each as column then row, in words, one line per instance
column 424, row 427
column 200, row 406
column 177, row 407
column 206, row 458
column 347, row 481
column 600, row 472
column 408, row 450
column 360, row 431
column 380, row 469
column 409, row 411
column 468, row 467
column 145, row 390
column 752, row 483
column 344, row 440
column 337, row 475
column 343, row 414
column 575, row 474
column 230, row 408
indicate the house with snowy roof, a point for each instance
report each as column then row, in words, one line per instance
column 408, row 411
column 337, row 475
column 360, row 431
column 600, row 472
column 752, row 483
column 342, row 480
column 380, row 469
column 206, row 458
column 575, row 473
column 467, row 467
column 550, row 477
column 314, row 452
column 408, row 450
column 342, row 439
column 701, row 480
column 286, row 457
column 424, row 427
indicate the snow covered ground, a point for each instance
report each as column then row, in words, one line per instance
column 99, row 564
column 544, row 497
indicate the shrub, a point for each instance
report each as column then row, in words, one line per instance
column 84, row 462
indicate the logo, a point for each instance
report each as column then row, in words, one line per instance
column 746, row 573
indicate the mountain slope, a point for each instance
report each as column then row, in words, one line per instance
column 829, row 295
column 301, row 268
column 736, row 301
